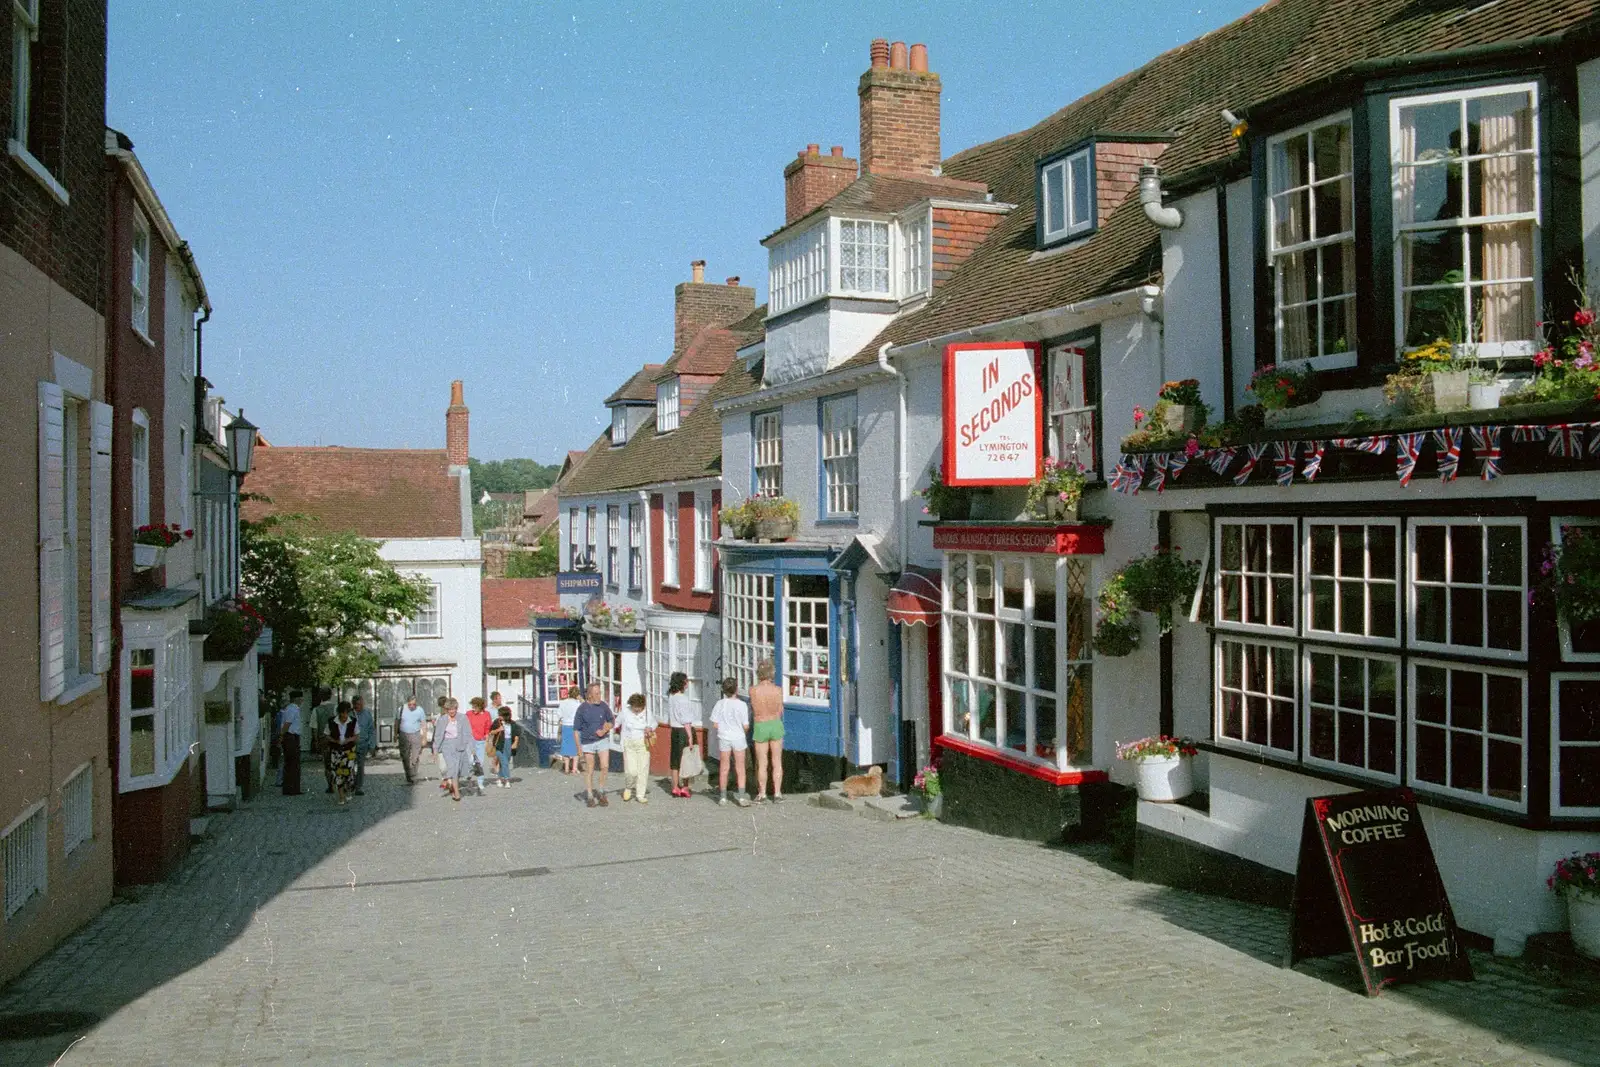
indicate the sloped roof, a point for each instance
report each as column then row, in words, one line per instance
column 539, row 506
column 711, row 351
column 638, row 389
column 888, row 194
column 507, row 601
column 1276, row 50
column 693, row 450
column 375, row 492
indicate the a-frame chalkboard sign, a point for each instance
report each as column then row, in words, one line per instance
column 1367, row 882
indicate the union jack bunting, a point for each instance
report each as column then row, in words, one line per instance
column 1255, row 452
column 1283, row 461
column 1313, row 462
column 1179, row 460
column 1566, row 440
column 1221, row 458
column 1125, row 478
column 1486, row 443
column 1376, row 446
column 1406, row 448
column 1528, row 433
column 1447, row 443
column 1159, row 462
column 1594, row 439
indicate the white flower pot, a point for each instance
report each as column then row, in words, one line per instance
column 1583, row 918
column 1484, row 396
column 1164, row 778
column 147, row 556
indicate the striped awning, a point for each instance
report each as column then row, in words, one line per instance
column 916, row 597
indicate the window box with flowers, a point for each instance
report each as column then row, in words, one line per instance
column 1055, row 494
column 151, row 541
column 609, row 618
column 1576, row 879
column 1280, row 390
column 1150, row 583
column 1163, row 766
column 763, row 518
column 234, row 627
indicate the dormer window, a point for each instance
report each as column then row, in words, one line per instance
column 1066, row 197
column 916, row 264
column 871, row 258
column 1311, row 227
column 667, row 397
column 619, row 426
column 864, row 257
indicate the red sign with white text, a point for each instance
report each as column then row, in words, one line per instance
column 1049, row 540
column 993, row 414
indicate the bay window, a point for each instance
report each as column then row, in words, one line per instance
column 1380, row 672
column 158, row 711
column 1466, row 218
column 805, row 637
column 838, row 419
column 749, row 624
column 1017, row 657
column 1073, row 401
column 916, row 263
column 619, row 427
column 1311, row 234
column 605, row 668
column 864, row 257
column 799, row 269
column 667, row 651
column 1580, row 641
column 766, row 436
column 1575, row 744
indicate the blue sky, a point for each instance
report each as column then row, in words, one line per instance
column 386, row 196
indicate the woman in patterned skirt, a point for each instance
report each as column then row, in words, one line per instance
column 342, row 736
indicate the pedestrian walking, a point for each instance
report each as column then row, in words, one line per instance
column 452, row 740
column 766, row 731
column 408, row 723
column 638, row 731
column 506, row 738
column 438, row 756
column 569, row 736
column 366, row 738
column 322, row 713
column 275, row 747
column 683, row 717
column 731, row 717
column 289, row 735
column 593, row 723
column 481, row 722
column 342, row 740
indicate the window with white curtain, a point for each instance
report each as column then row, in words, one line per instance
column 863, row 256
column 669, row 540
column 1467, row 217
column 766, row 434
column 1311, row 227
column 839, row 455
column 139, row 452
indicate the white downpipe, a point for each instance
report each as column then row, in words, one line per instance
column 900, row 451
column 1168, row 218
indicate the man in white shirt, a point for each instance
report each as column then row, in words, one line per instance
column 408, row 727
column 290, row 734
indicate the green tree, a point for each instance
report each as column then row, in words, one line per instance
column 541, row 562
column 327, row 597
column 511, row 475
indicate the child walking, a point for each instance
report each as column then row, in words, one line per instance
column 637, row 730
column 731, row 717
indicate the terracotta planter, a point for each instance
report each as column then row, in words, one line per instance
column 1448, row 390
column 774, row 529
column 1164, row 779
column 1583, row 919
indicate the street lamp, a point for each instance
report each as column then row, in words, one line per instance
column 241, row 443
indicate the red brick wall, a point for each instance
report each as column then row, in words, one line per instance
column 956, row 235
column 899, row 122
column 150, row 828
column 692, row 388
column 456, row 443
column 1116, row 177
column 68, row 129
column 697, row 305
column 813, row 179
column 684, row 597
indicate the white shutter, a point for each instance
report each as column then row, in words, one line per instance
column 100, row 532
column 52, row 543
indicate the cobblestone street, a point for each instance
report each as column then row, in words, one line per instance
column 524, row 928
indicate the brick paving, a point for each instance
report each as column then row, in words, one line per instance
column 522, row 927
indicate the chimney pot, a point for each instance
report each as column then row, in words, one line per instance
column 697, row 270
column 812, row 149
column 897, row 56
column 837, row 151
column 919, row 58
column 880, row 52
column 734, row 281
column 457, row 390
column 455, row 427
column 801, row 154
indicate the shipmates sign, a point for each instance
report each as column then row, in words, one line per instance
column 993, row 414
column 1367, row 882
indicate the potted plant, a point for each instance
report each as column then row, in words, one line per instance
column 1277, row 389
column 737, row 522
column 1569, row 576
column 1162, row 763
column 1155, row 582
column 151, row 541
column 625, row 619
column 1117, row 633
column 235, row 625
column 773, row 518
column 945, row 501
column 1055, row 494
column 1484, row 386
column 1577, row 881
column 1184, row 412
column 926, row 783
column 1444, row 374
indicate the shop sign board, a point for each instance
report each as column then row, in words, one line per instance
column 1048, row 540
column 578, row 583
column 993, row 413
column 1367, row 881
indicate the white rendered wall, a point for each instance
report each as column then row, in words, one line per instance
column 455, row 563
column 820, row 336
column 1589, row 159
column 622, row 596
column 183, row 559
column 1242, row 271
column 1191, row 304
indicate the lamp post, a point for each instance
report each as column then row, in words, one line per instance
column 241, row 450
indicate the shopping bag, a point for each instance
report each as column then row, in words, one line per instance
column 690, row 765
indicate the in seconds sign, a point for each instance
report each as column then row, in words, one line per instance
column 993, row 414
column 1367, row 882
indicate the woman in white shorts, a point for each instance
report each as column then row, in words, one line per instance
column 731, row 717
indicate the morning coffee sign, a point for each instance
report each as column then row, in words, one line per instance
column 1367, row 882
column 993, row 414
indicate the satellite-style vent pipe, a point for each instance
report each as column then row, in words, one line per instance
column 1168, row 218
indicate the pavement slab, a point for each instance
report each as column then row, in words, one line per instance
column 522, row 926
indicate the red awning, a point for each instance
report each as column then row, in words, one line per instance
column 916, row 597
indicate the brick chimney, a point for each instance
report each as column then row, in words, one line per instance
column 899, row 112
column 813, row 179
column 698, row 303
column 455, row 426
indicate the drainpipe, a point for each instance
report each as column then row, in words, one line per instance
column 1168, row 218
column 899, row 449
